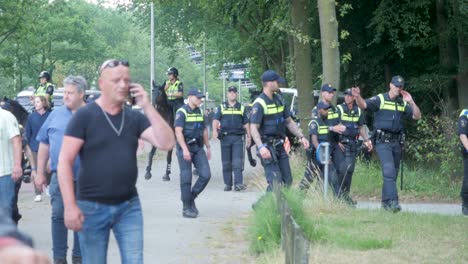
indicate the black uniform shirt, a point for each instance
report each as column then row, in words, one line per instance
column 257, row 115
column 389, row 120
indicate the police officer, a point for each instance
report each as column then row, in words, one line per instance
column 318, row 133
column 45, row 88
column 268, row 124
column 174, row 89
column 191, row 134
column 390, row 109
column 327, row 92
column 230, row 125
column 463, row 133
column 352, row 118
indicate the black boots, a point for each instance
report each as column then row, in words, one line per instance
column 188, row 211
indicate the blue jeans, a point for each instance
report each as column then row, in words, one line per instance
column 7, row 193
column 59, row 230
column 125, row 219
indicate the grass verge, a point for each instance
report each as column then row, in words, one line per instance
column 351, row 235
column 419, row 184
column 265, row 226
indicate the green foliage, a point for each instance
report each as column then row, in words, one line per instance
column 437, row 146
column 377, row 231
column 265, row 226
column 420, row 183
column 295, row 200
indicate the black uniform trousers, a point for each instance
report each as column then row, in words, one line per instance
column 390, row 156
column 200, row 161
column 464, row 190
column 175, row 105
column 277, row 168
column 232, row 156
column 345, row 163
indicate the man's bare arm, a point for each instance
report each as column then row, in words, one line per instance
column 464, row 141
column 291, row 125
column 256, row 134
column 17, row 157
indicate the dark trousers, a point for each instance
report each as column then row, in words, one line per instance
column 277, row 168
column 200, row 161
column 390, row 156
column 175, row 105
column 232, row 156
column 464, row 189
column 345, row 162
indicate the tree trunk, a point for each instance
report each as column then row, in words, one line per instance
column 462, row 77
column 447, row 55
column 330, row 43
column 300, row 10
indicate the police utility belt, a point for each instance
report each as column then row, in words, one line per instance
column 194, row 142
column 387, row 136
column 274, row 142
column 348, row 140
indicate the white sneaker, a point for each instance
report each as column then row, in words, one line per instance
column 47, row 191
column 38, row 198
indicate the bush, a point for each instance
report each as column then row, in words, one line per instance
column 435, row 145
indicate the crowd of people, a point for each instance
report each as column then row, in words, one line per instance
column 89, row 151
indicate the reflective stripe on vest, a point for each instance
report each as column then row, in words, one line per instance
column 349, row 118
column 173, row 88
column 41, row 90
column 232, row 111
column 464, row 113
column 191, row 117
column 322, row 130
column 273, row 118
column 270, row 109
column 390, row 105
column 193, row 124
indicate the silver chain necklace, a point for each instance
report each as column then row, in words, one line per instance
column 118, row 132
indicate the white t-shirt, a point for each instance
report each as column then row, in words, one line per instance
column 8, row 130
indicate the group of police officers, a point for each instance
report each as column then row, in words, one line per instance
column 340, row 126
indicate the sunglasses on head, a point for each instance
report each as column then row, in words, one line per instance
column 113, row 64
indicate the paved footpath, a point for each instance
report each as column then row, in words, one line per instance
column 435, row 208
column 168, row 237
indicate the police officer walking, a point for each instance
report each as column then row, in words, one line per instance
column 174, row 89
column 45, row 88
column 191, row 134
column 332, row 122
column 463, row 134
column 268, row 123
column 390, row 109
column 319, row 132
column 230, row 125
column 352, row 118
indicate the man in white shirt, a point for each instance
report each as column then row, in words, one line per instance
column 10, row 158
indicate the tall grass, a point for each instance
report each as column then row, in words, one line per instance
column 265, row 226
column 419, row 183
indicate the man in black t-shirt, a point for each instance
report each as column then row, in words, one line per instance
column 105, row 134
